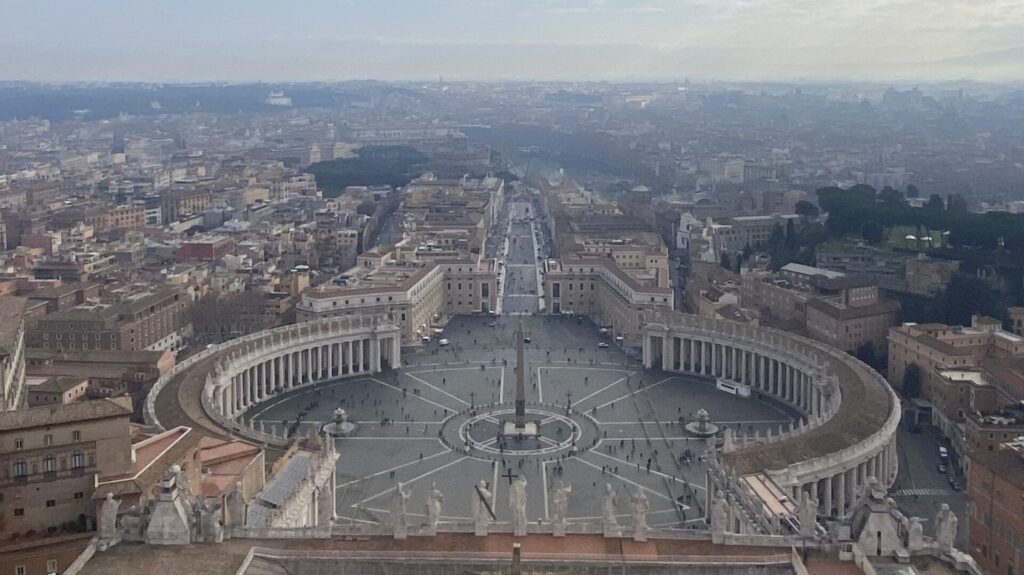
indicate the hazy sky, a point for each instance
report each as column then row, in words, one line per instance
column 196, row 40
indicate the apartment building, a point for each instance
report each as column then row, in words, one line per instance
column 996, row 508
column 50, row 458
column 146, row 320
column 597, row 287
column 849, row 314
column 949, row 357
column 418, row 295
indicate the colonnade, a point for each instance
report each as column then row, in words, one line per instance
column 760, row 369
column 266, row 375
column 802, row 374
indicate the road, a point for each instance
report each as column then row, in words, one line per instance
column 920, row 488
column 520, row 291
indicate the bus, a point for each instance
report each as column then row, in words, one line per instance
column 737, row 389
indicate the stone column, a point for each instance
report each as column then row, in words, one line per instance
column 330, row 359
column 841, row 495
column 350, row 357
column 829, row 502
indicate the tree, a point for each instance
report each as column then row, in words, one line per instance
column 967, row 295
column 777, row 237
column 806, row 209
column 866, row 353
column 913, row 192
column 747, row 252
column 366, row 208
column 956, row 203
column 890, row 196
column 726, row 261
column 872, row 233
column 911, row 384
column 792, row 240
column 935, row 203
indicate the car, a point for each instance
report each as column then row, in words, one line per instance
column 443, row 342
column 942, row 468
column 526, row 340
column 492, row 324
column 602, row 345
column 954, row 485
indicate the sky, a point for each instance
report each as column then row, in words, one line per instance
column 323, row 40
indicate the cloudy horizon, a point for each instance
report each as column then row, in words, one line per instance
column 323, row 40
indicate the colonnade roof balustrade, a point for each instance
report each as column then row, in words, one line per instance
column 865, row 420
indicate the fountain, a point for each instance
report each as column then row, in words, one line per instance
column 341, row 426
column 702, row 426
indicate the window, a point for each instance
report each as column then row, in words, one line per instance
column 19, row 512
column 79, row 495
column 51, row 565
column 19, row 443
column 51, row 502
column 77, row 460
column 20, row 468
column 48, row 439
column 49, row 464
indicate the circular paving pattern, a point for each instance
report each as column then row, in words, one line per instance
column 481, row 432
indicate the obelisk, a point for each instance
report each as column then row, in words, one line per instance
column 520, row 419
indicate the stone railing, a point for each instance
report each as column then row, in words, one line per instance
column 227, row 359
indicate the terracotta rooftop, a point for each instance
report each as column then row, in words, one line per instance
column 58, row 414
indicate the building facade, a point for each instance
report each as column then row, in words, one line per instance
column 50, row 458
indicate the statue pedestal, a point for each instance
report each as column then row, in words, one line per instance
column 612, row 531
column 558, row 528
column 510, row 429
column 480, row 530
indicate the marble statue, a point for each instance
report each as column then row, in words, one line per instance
column 399, row 498
column 432, row 509
column 208, row 521
column 517, row 505
column 915, row 535
column 610, row 522
column 719, row 514
column 640, row 505
column 108, row 517
column 482, row 513
column 133, row 524
column 561, row 500
column 945, row 528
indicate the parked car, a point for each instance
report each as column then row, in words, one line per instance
column 942, row 468
column 526, row 340
column 443, row 342
column 602, row 345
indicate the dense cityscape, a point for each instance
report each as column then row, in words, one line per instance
column 670, row 327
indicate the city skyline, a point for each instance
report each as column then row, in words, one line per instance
column 521, row 40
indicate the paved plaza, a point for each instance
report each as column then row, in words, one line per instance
column 435, row 422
